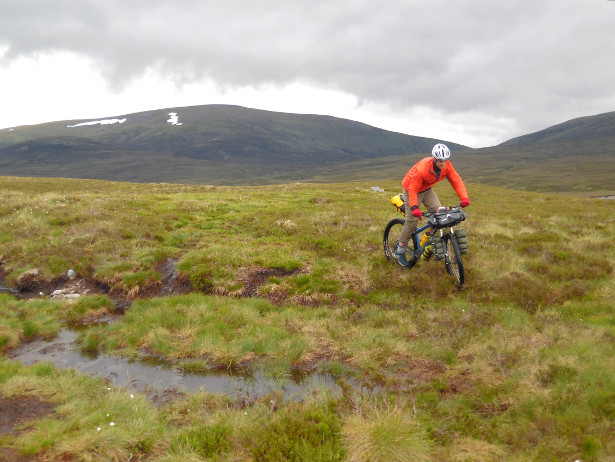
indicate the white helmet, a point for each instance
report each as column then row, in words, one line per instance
column 440, row 152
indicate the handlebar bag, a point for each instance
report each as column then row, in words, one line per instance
column 446, row 217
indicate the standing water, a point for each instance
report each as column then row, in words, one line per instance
column 156, row 378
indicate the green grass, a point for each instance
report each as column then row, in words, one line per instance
column 502, row 166
column 516, row 366
column 26, row 320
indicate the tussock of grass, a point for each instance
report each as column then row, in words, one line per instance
column 311, row 432
column 25, row 320
column 90, row 306
column 9, row 338
column 389, row 435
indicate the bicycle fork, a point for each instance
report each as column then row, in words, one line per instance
column 451, row 231
column 445, row 254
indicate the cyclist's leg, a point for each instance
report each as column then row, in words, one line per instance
column 406, row 233
column 411, row 222
column 430, row 199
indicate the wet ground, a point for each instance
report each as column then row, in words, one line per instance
column 157, row 379
column 161, row 381
column 15, row 413
column 32, row 284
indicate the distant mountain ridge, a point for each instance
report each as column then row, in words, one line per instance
column 184, row 140
column 233, row 145
column 589, row 128
column 576, row 156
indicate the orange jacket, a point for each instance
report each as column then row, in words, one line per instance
column 422, row 176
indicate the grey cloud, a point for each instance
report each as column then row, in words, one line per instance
column 527, row 60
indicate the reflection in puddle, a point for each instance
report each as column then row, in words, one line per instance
column 156, row 378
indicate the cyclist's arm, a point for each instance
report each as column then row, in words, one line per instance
column 413, row 188
column 456, row 182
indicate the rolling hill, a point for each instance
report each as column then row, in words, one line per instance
column 232, row 145
column 598, row 129
column 575, row 157
column 214, row 144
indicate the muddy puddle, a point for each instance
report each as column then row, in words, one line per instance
column 158, row 379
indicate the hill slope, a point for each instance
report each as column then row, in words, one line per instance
column 577, row 156
column 216, row 144
column 231, row 145
column 598, row 128
column 574, row 156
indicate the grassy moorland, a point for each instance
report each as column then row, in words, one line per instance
column 516, row 366
column 536, row 168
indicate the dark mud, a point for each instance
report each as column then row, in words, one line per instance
column 33, row 284
column 20, row 410
column 17, row 412
column 172, row 282
column 254, row 278
column 161, row 381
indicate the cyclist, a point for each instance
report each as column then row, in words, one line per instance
column 417, row 186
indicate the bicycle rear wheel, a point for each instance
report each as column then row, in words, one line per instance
column 452, row 258
column 389, row 241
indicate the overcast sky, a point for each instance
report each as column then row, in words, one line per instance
column 477, row 72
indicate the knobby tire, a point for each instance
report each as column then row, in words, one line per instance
column 390, row 238
column 453, row 261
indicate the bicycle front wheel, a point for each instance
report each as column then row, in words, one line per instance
column 452, row 258
column 392, row 232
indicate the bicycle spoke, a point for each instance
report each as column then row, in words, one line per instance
column 454, row 265
column 392, row 234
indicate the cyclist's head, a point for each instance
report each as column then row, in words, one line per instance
column 440, row 152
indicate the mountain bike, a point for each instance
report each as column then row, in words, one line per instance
column 448, row 243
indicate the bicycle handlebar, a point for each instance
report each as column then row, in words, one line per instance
column 428, row 214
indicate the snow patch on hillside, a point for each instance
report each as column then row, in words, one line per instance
column 174, row 120
column 97, row 122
